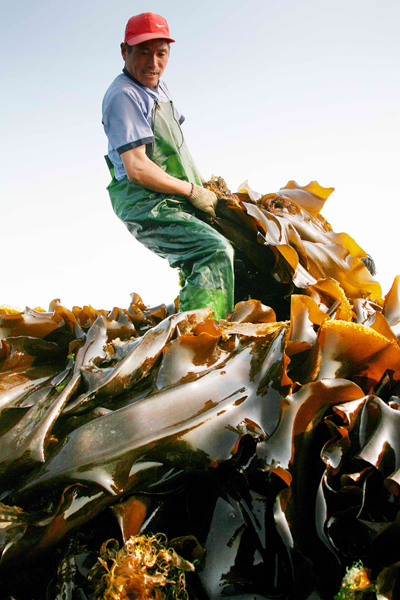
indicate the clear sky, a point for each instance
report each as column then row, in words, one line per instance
column 272, row 90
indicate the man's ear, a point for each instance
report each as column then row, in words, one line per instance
column 123, row 50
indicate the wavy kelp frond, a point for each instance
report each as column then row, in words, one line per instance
column 145, row 568
column 292, row 196
column 356, row 352
column 331, row 298
column 311, row 197
column 7, row 309
column 252, row 311
column 391, row 308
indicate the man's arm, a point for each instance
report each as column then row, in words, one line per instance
column 143, row 171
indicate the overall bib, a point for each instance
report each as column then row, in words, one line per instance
column 167, row 225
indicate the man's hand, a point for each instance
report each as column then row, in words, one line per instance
column 203, row 199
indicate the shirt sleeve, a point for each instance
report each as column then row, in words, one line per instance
column 179, row 116
column 125, row 123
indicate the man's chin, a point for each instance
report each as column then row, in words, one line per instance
column 149, row 81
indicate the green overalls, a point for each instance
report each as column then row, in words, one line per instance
column 167, row 224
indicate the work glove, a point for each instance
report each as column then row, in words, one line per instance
column 203, row 199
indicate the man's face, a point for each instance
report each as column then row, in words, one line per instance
column 146, row 61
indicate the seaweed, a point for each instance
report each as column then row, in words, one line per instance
column 265, row 446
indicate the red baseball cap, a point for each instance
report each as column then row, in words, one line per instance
column 146, row 26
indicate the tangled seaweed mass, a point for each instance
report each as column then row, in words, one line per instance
column 266, row 447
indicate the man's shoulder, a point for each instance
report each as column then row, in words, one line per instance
column 122, row 85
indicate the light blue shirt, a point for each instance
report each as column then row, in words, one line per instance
column 127, row 116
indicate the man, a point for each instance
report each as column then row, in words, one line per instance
column 156, row 189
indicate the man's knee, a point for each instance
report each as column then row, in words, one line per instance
column 225, row 248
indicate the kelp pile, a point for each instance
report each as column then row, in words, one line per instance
column 266, row 447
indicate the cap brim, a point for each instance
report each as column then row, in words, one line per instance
column 144, row 37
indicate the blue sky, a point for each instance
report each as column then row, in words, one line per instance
column 272, row 90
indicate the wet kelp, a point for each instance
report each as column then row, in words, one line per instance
column 266, row 447
column 286, row 245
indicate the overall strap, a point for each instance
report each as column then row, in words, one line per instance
column 169, row 150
